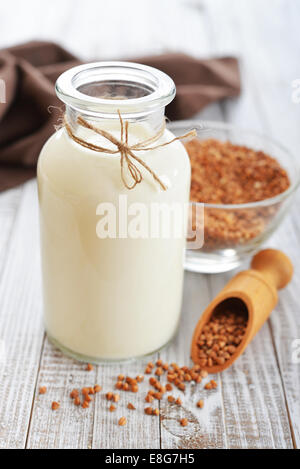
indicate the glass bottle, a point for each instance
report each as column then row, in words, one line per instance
column 110, row 294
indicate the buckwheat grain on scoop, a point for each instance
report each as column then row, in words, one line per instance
column 220, row 338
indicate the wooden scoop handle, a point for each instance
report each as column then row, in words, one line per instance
column 275, row 267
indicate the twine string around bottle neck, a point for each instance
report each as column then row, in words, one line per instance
column 127, row 157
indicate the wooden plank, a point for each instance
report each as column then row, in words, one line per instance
column 275, row 99
column 285, row 322
column 244, row 406
column 254, row 401
column 95, row 427
column 257, row 407
column 141, row 430
column 20, row 323
column 70, row 427
column 206, row 428
column 255, row 431
column 150, row 33
column 9, row 201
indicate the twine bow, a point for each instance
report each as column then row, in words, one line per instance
column 127, row 157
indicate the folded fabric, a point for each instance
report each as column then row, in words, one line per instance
column 29, row 72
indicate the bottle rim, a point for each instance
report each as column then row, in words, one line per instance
column 157, row 89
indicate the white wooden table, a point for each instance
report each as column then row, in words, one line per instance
column 257, row 402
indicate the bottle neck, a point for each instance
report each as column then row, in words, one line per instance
column 97, row 91
column 116, row 136
column 150, row 122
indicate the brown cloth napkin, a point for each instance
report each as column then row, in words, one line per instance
column 30, row 70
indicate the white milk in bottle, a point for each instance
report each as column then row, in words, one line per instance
column 112, row 278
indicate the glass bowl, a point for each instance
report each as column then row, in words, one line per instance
column 254, row 222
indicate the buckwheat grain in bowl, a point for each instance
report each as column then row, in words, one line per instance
column 244, row 182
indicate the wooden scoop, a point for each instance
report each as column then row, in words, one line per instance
column 252, row 292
